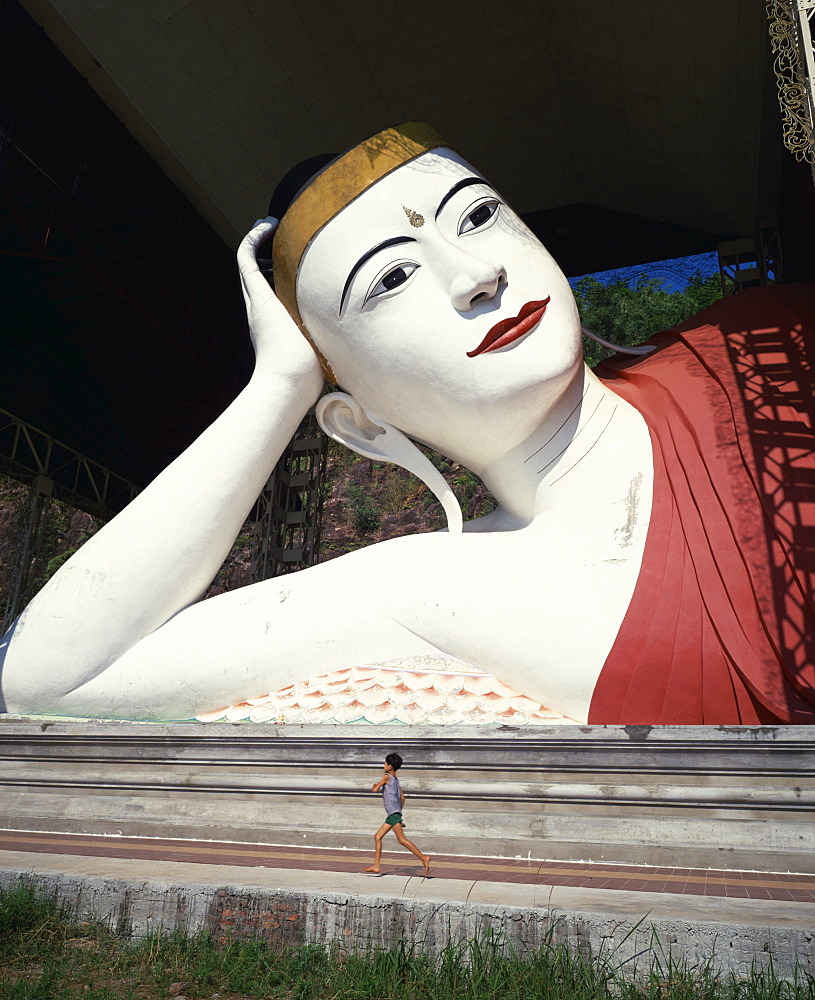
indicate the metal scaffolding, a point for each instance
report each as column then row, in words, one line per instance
column 48, row 470
column 751, row 261
column 288, row 513
column 31, row 456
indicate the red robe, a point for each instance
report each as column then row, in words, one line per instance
column 721, row 626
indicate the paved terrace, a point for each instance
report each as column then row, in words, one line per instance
column 779, row 886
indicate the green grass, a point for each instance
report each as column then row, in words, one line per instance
column 46, row 955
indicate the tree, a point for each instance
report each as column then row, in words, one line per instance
column 627, row 313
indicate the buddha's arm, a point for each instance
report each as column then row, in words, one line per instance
column 482, row 597
column 161, row 552
column 257, row 639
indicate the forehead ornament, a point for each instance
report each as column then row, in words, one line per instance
column 413, row 217
column 328, row 194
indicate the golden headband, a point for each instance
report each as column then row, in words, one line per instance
column 327, row 195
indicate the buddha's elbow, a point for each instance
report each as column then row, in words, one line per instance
column 36, row 675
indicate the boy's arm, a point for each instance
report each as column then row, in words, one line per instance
column 403, row 798
column 382, row 781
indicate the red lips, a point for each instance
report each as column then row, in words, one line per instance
column 507, row 330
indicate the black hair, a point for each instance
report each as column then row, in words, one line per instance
column 284, row 194
column 293, row 180
column 394, row 760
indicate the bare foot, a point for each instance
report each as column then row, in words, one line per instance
column 372, row 870
column 426, row 864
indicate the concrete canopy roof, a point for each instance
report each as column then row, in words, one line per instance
column 660, row 108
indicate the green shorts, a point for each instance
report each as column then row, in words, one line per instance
column 393, row 819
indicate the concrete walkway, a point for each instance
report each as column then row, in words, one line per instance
column 734, row 919
column 507, row 872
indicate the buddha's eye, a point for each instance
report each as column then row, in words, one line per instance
column 392, row 278
column 478, row 216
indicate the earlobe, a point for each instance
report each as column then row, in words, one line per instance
column 348, row 422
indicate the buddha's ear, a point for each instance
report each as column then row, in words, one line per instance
column 347, row 421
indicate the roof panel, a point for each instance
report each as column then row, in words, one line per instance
column 320, row 74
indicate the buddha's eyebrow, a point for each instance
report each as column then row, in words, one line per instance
column 463, row 183
column 393, row 242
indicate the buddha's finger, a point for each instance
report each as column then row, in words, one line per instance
column 252, row 281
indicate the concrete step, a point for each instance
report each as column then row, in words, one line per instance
column 741, row 797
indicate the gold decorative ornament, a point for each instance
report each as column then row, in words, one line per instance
column 327, row 195
column 797, row 112
column 413, row 217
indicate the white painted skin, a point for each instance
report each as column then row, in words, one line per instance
column 534, row 593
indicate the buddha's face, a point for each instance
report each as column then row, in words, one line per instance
column 439, row 310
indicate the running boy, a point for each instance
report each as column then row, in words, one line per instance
column 393, row 799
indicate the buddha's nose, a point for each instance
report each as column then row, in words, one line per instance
column 476, row 283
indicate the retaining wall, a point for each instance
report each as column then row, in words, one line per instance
column 733, row 938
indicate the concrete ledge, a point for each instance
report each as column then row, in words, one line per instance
column 630, row 929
